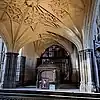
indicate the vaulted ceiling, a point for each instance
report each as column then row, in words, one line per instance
column 25, row 21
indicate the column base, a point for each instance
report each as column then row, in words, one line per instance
column 82, row 87
column 90, row 87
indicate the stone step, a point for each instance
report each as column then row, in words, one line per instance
column 10, row 94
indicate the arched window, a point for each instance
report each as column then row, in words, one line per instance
column 53, row 53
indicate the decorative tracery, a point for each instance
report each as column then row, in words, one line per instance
column 31, row 3
column 30, row 14
column 15, row 13
column 62, row 7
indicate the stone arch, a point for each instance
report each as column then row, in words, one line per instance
column 88, row 27
column 70, row 56
column 63, row 44
column 59, row 35
column 68, row 34
column 59, row 40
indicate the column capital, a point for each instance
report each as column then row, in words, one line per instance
column 12, row 53
column 86, row 50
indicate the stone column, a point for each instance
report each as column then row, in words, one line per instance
column 86, row 70
column 10, row 70
column 22, row 69
column 82, row 73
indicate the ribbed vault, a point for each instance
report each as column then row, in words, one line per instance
column 41, row 45
column 25, row 21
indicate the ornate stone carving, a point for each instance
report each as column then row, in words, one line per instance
column 7, row 1
column 47, row 18
column 62, row 8
column 15, row 13
column 29, row 18
column 58, row 7
column 31, row 13
column 31, row 3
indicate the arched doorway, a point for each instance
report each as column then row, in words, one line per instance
column 55, row 58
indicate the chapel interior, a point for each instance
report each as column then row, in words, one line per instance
column 49, row 43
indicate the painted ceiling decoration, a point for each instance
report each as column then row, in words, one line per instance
column 25, row 21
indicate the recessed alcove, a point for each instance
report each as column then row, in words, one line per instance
column 56, row 65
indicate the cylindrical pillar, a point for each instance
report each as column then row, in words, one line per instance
column 82, row 79
column 86, row 71
column 90, row 85
column 10, row 70
column 22, row 70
